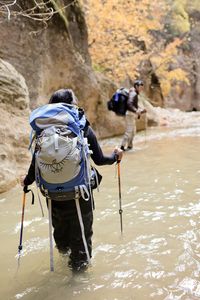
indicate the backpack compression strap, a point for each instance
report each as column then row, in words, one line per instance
column 81, row 223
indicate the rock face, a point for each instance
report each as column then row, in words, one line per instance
column 152, row 84
column 32, row 66
column 34, row 62
column 54, row 57
column 184, row 96
column 14, row 129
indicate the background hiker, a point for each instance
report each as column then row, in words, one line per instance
column 67, row 231
column 133, row 112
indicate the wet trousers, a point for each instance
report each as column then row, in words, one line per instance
column 130, row 131
column 67, row 230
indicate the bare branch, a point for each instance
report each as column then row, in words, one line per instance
column 45, row 12
column 7, row 7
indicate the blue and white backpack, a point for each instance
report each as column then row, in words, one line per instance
column 62, row 152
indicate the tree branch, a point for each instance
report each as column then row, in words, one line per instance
column 45, row 12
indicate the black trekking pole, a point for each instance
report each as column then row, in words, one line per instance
column 120, row 196
column 26, row 190
column 22, row 225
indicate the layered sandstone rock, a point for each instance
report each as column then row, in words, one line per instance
column 14, row 128
column 35, row 61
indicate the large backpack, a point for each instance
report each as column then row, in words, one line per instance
column 62, row 164
column 62, row 153
column 118, row 102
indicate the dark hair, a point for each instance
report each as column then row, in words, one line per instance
column 138, row 83
column 64, row 96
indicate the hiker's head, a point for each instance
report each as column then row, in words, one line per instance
column 138, row 85
column 64, row 96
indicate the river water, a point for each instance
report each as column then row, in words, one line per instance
column 158, row 254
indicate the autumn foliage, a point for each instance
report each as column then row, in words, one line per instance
column 124, row 33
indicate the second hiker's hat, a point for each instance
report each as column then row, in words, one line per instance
column 138, row 83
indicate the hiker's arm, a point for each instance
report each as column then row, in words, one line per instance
column 97, row 156
column 30, row 177
column 132, row 103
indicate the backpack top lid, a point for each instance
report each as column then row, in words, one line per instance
column 57, row 114
column 123, row 91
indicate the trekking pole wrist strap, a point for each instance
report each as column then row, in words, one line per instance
column 26, row 190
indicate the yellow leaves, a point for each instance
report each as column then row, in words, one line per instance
column 173, row 77
column 179, row 18
column 165, row 86
column 180, row 24
column 164, row 65
column 177, row 75
column 119, row 38
column 120, row 30
column 161, row 60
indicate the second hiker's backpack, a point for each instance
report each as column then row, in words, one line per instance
column 118, row 102
column 62, row 153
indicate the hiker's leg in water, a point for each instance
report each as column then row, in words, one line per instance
column 129, row 131
column 132, row 131
column 61, row 225
column 78, row 254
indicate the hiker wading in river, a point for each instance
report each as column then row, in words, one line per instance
column 67, row 233
column 133, row 112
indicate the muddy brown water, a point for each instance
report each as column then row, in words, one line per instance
column 158, row 254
